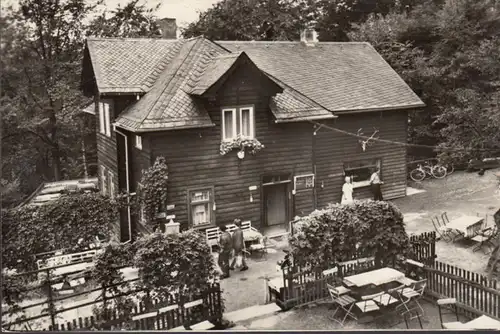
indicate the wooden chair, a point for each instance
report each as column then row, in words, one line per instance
column 368, row 303
column 413, row 294
column 451, row 303
column 343, row 301
column 333, row 272
column 486, row 237
column 411, row 266
column 441, row 228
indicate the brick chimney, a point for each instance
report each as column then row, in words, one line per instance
column 168, row 28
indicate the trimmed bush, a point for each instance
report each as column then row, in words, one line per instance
column 340, row 232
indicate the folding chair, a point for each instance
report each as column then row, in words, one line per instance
column 441, row 229
column 486, row 237
column 368, row 303
column 343, row 301
column 451, row 303
column 411, row 266
column 412, row 294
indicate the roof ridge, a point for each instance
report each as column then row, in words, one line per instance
column 167, row 84
column 288, row 42
column 119, row 39
column 163, row 64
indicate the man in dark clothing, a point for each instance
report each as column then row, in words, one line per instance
column 225, row 245
column 375, row 183
column 238, row 246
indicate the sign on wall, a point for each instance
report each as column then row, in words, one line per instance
column 303, row 182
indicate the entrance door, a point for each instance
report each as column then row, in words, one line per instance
column 276, row 204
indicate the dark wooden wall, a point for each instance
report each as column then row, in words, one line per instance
column 194, row 161
column 333, row 149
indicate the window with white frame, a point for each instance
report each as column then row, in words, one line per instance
column 105, row 107
column 111, row 185
column 138, row 142
column 360, row 171
column 104, row 185
column 201, row 207
column 238, row 121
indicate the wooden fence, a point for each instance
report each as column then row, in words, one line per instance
column 178, row 310
column 303, row 283
column 475, row 293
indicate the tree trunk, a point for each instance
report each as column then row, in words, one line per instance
column 56, row 163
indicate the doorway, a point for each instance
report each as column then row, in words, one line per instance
column 276, row 204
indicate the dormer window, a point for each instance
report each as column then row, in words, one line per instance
column 238, row 121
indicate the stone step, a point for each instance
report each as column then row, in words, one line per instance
column 252, row 312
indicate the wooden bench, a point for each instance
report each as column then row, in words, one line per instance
column 213, row 233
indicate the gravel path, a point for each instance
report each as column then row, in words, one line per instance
column 458, row 194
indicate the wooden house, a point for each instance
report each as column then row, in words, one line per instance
column 305, row 102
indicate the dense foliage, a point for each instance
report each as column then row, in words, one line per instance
column 449, row 54
column 71, row 222
column 446, row 50
column 174, row 263
column 44, row 135
column 338, row 232
column 152, row 194
column 106, row 273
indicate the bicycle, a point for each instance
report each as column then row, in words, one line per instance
column 421, row 172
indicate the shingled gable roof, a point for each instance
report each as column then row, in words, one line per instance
column 339, row 76
column 168, row 104
column 316, row 80
column 220, row 68
column 129, row 65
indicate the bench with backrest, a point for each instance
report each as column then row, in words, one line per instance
column 213, row 234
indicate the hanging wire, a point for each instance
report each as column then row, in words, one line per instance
column 393, row 142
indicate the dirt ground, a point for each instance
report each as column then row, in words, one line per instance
column 458, row 194
column 318, row 318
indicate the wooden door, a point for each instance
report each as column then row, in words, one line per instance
column 276, row 206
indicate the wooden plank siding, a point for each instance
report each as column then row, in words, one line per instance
column 109, row 152
column 194, row 160
column 333, row 149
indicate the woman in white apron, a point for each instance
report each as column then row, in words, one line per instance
column 347, row 190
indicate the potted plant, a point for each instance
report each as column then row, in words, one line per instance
column 242, row 143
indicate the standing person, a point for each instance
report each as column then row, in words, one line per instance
column 375, row 183
column 238, row 246
column 225, row 245
column 347, row 190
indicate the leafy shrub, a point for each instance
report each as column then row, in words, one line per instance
column 174, row 263
column 67, row 223
column 106, row 274
column 340, row 232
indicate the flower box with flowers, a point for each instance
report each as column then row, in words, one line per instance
column 241, row 143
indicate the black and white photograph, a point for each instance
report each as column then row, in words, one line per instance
column 250, row 165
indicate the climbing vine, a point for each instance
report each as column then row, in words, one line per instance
column 152, row 194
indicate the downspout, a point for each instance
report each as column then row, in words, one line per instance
column 127, row 182
column 315, row 192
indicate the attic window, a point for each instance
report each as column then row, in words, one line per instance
column 238, row 121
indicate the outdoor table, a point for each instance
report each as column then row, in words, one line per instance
column 469, row 226
column 376, row 277
column 483, row 322
column 251, row 235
